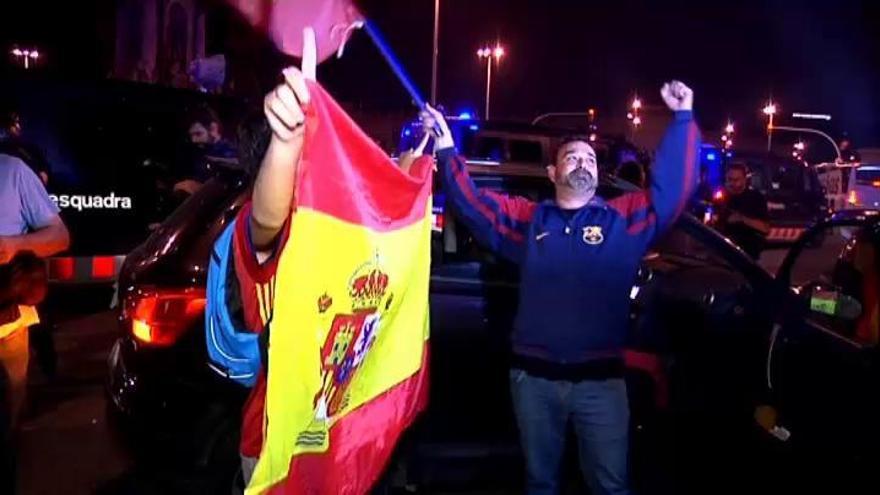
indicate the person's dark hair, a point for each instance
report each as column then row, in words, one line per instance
column 742, row 167
column 202, row 114
column 254, row 135
column 8, row 114
column 571, row 138
column 632, row 172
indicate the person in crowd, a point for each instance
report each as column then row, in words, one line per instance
column 578, row 255
column 29, row 226
column 13, row 142
column 632, row 172
column 742, row 213
column 205, row 133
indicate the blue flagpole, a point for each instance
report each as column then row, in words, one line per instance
column 396, row 67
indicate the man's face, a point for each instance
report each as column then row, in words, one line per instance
column 575, row 168
column 15, row 126
column 735, row 181
column 200, row 135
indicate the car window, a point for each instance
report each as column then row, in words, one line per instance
column 526, row 151
column 838, row 277
column 868, row 176
column 485, row 148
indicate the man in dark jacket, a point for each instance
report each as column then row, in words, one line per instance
column 742, row 212
column 578, row 256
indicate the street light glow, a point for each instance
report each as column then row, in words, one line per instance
column 770, row 109
column 637, row 120
column 25, row 56
column 497, row 52
column 637, row 103
column 729, row 128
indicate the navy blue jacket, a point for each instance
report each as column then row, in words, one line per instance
column 577, row 270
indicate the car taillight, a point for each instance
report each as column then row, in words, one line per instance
column 159, row 317
column 437, row 220
column 853, row 198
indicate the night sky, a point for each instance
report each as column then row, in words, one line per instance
column 571, row 55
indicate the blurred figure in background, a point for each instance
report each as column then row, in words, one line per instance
column 13, row 142
column 742, row 214
column 208, row 148
column 29, row 228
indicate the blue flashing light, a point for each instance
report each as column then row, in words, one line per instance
column 407, row 132
column 474, row 127
column 465, row 116
column 711, row 157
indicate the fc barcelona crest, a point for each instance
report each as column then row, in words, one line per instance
column 593, row 235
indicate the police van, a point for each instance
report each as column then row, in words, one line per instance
column 113, row 149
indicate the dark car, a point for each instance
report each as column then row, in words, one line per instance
column 703, row 314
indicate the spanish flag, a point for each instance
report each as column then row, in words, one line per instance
column 347, row 359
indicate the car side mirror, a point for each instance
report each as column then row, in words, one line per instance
column 829, row 300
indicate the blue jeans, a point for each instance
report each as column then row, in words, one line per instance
column 600, row 413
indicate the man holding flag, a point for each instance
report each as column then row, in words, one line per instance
column 578, row 256
column 330, row 264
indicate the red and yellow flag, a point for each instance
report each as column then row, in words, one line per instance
column 347, row 367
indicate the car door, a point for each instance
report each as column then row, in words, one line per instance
column 473, row 302
column 822, row 365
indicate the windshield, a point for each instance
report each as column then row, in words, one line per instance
column 869, row 175
column 782, row 181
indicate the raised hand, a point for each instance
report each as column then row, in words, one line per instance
column 283, row 106
column 431, row 119
column 678, row 96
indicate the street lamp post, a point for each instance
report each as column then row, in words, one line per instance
column 770, row 110
column 634, row 115
column 26, row 56
column 436, row 52
column 727, row 137
column 489, row 54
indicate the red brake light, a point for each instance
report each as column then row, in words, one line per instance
column 438, row 223
column 160, row 317
column 103, row 267
column 719, row 195
column 438, row 220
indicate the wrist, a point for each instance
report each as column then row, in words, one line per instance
column 683, row 114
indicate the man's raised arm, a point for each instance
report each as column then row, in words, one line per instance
column 499, row 222
column 674, row 177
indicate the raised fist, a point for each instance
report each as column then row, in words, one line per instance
column 677, row 96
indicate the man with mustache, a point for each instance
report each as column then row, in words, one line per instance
column 578, row 256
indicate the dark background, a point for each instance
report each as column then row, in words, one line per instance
column 818, row 57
